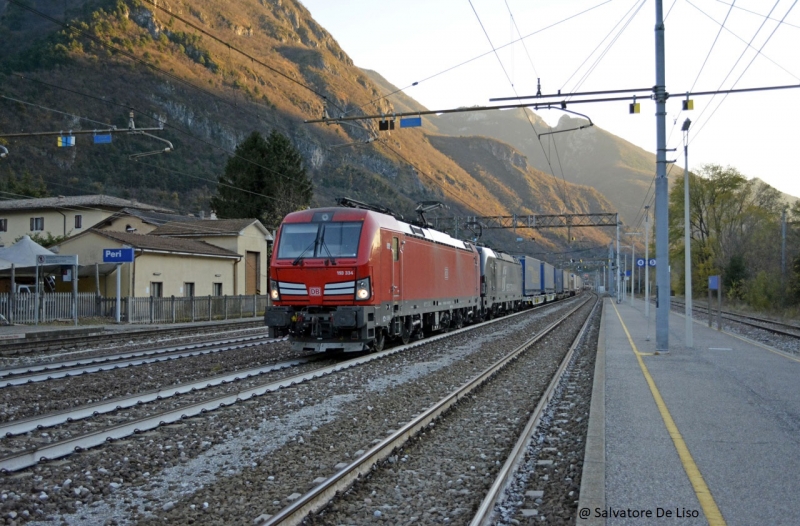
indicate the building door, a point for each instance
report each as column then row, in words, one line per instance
column 251, row 273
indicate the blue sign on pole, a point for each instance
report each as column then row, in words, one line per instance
column 102, row 139
column 640, row 262
column 627, row 273
column 713, row 283
column 412, row 122
column 652, row 262
column 117, row 255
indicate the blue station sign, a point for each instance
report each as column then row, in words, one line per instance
column 117, row 255
column 640, row 262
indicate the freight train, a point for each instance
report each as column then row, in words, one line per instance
column 349, row 279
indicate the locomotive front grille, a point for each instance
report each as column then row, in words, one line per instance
column 340, row 289
column 292, row 289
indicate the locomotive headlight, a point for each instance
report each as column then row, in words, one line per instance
column 273, row 290
column 363, row 291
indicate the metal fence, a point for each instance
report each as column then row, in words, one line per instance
column 21, row 308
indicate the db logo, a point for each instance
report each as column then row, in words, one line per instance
column 314, row 291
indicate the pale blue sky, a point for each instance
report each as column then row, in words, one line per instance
column 411, row 40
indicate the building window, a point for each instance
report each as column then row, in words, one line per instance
column 217, row 289
column 3, row 225
column 188, row 290
column 37, row 224
column 78, row 221
column 156, row 289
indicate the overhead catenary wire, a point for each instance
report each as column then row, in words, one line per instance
column 748, row 44
column 564, row 85
column 243, row 53
column 456, row 66
column 757, row 14
column 610, row 45
column 714, row 43
column 57, row 111
column 564, row 193
column 696, row 132
column 166, row 125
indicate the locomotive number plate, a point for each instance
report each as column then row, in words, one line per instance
column 314, row 291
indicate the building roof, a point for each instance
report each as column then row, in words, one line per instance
column 77, row 201
column 147, row 216
column 166, row 244
column 208, row 227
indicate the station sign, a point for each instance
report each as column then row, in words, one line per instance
column 640, row 262
column 713, row 283
column 117, row 255
column 43, row 259
column 652, row 262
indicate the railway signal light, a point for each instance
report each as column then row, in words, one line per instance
column 634, row 106
column 688, row 104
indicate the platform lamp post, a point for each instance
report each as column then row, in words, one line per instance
column 687, row 240
column 633, row 259
column 625, row 270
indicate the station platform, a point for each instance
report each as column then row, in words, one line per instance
column 701, row 435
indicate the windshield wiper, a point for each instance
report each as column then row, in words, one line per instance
column 303, row 253
column 323, row 245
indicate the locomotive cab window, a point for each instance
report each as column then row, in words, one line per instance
column 395, row 249
column 319, row 240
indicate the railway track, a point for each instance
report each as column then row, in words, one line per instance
column 385, row 455
column 772, row 326
column 44, row 342
column 197, row 455
column 41, row 372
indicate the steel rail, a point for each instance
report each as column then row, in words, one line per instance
column 28, row 343
column 323, row 493
column 107, row 358
column 17, row 427
column 24, row 459
column 485, row 513
column 154, row 357
column 741, row 318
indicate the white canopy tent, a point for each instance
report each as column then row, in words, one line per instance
column 23, row 253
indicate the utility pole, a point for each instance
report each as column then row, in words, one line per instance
column 647, row 262
column 687, row 237
column 662, row 191
column 616, row 271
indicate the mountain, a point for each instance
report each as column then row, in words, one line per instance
column 87, row 64
column 589, row 156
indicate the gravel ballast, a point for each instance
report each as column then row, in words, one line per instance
column 248, row 460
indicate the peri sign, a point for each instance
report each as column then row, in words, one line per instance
column 117, row 255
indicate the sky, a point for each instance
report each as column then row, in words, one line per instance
column 592, row 45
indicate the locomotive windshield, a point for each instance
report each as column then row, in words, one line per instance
column 319, row 240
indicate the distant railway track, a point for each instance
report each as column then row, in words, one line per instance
column 57, row 340
column 773, row 326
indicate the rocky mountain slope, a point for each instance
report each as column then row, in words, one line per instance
column 86, row 64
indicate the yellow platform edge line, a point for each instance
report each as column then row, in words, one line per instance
column 710, row 508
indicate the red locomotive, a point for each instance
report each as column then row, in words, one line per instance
column 345, row 279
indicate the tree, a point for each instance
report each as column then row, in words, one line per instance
column 26, row 186
column 734, row 229
column 265, row 179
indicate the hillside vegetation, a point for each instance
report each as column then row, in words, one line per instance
column 95, row 61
